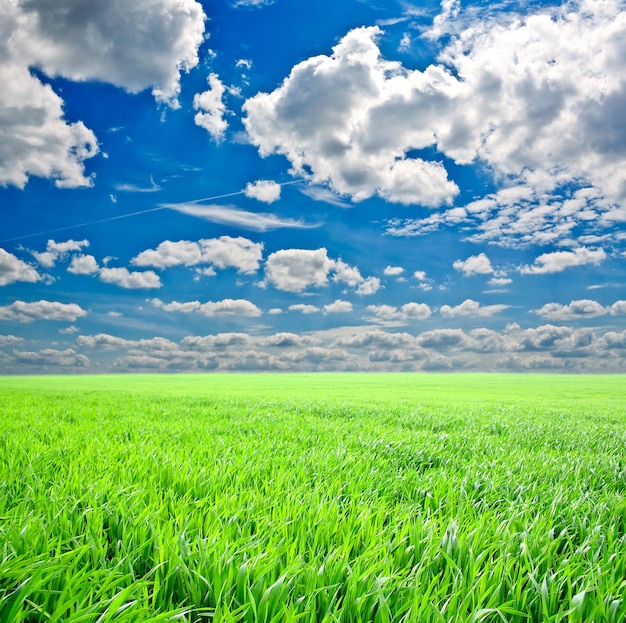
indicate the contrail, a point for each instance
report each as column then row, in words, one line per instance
column 121, row 216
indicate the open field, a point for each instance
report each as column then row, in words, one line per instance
column 313, row 498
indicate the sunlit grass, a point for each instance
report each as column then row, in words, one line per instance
column 313, row 498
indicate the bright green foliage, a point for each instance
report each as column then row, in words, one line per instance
column 304, row 498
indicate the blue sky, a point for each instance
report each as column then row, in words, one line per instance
column 283, row 185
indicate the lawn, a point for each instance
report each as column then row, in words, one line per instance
column 313, row 498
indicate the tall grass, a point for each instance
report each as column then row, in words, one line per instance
column 315, row 499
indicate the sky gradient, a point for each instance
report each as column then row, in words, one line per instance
column 283, row 185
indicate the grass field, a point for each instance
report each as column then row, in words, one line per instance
column 313, row 498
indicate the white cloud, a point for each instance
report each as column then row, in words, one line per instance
column 263, row 190
column 560, row 260
column 37, row 139
column 536, row 97
column 56, row 251
column 68, row 358
column 252, row 4
column 244, row 63
column 405, row 43
column 175, row 306
column 584, row 308
column 228, row 215
column 441, row 339
column 226, row 307
column 407, row 312
column 338, row 307
column 222, row 252
column 136, row 188
column 471, row 308
column 321, row 193
column 369, row 286
column 393, row 271
column 288, row 340
column 294, row 270
column 239, row 253
column 425, row 283
column 22, row 311
column 229, row 307
column 532, row 98
column 83, row 265
column 526, row 214
column 211, row 109
column 418, row 311
column 619, row 307
column 135, row 46
column 103, row 341
column 211, row 342
column 168, row 254
column 546, row 347
column 344, row 273
column 303, row 308
column 342, row 117
column 146, row 43
column 13, row 269
column 134, row 280
column 500, row 281
column 614, row 339
column 5, row 340
column 69, row 330
column 474, row 265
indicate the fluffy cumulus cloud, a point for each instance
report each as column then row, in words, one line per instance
column 83, row 265
column 212, row 109
column 471, row 308
column 225, row 307
column 37, row 140
column 56, row 251
column 52, row 357
column 474, row 265
column 581, row 309
column 138, row 45
column 393, row 271
column 223, row 252
column 344, row 118
column 539, row 93
column 338, row 307
column 131, row 280
column 403, row 314
column 304, row 308
column 266, row 191
column 5, row 340
column 536, row 96
column 13, row 269
column 22, row 311
column 560, row 260
column 545, row 347
column 295, row 270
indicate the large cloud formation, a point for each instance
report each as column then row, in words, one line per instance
column 537, row 98
column 134, row 45
column 326, row 118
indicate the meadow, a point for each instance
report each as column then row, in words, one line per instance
column 313, row 498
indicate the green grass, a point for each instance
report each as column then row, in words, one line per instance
column 313, row 498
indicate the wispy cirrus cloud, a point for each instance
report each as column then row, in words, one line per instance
column 235, row 217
